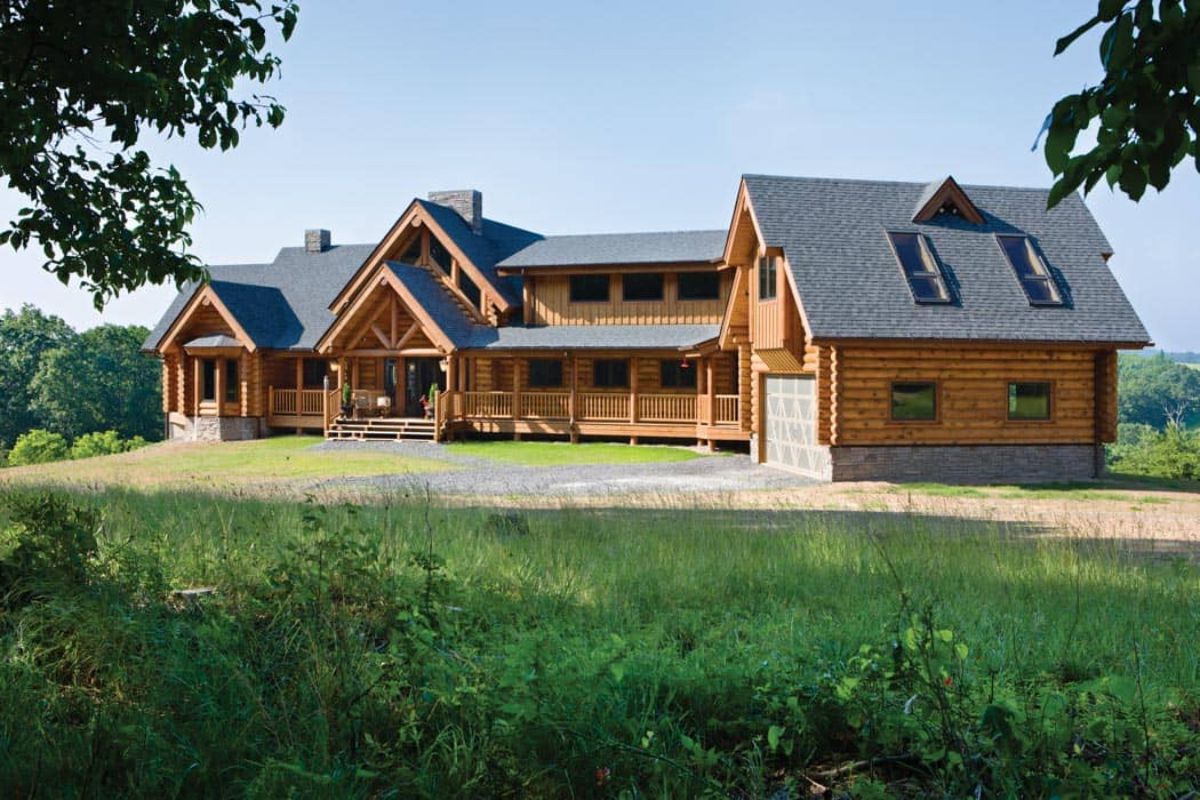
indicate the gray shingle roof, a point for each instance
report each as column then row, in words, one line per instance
column 666, row 247
column 283, row 305
column 219, row 340
column 833, row 235
column 593, row 337
column 428, row 291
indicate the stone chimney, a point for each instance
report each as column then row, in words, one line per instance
column 316, row 240
column 467, row 202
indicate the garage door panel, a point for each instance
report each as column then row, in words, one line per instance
column 791, row 425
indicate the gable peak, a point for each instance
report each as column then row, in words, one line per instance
column 946, row 197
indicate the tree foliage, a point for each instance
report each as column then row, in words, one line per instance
column 98, row 381
column 1157, row 391
column 25, row 337
column 71, row 78
column 1147, row 105
column 38, row 446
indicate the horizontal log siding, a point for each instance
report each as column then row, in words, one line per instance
column 552, row 305
column 973, row 395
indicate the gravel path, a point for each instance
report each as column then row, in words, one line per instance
column 479, row 476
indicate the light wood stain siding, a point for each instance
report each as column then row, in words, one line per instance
column 551, row 304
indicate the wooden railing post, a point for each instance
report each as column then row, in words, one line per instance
column 708, row 383
column 516, row 395
column 633, row 389
column 270, row 401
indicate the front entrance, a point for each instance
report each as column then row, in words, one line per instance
column 419, row 375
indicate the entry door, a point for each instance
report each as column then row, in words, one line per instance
column 420, row 374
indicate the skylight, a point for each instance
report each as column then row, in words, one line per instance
column 1031, row 271
column 924, row 278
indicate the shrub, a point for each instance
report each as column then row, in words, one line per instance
column 3, row 455
column 1173, row 453
column 38, row 446
column 97, row 444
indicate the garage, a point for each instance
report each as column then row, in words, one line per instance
column 791, row 425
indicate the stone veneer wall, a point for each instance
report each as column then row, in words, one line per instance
column 969, row 463
column 216, row 429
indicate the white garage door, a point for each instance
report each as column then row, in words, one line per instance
column 791, row 425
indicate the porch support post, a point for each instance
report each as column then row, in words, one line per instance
column 195, row 386
column 571, row 407
column 516, row 397
column 219, row 382
column 633, row 389
column 712, row 394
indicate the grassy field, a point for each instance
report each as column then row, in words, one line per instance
column 400, row 650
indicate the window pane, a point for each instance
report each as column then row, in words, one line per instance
column 914, row 401
column 908, row 250
column 1029, row 401
column 439, row 255
column 232, row 388
column 1038, row 290
column 208, row 379
column 314, row 373
column 589, row 288
column 1018, row 255
column 610, row 373
column 468, row 287
column 926, row 288
column 673, row 375
column 412, row 255
column 545, row 373
column 699, row 286
column 642, row 286
column 768, row 281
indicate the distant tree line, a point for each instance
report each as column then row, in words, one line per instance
column 82, row 393
column 1159, row 405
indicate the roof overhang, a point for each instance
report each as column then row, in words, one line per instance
column 742, row 207
column 383, row 276
column 204, row 296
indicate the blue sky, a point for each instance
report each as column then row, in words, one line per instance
column 573, row 117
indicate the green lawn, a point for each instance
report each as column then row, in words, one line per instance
column 553, row 454
column 279, row 458
column 399, row 650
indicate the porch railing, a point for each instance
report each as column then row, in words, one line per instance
column 545, row 405
column 726, row 409
column 297, row 403
column 602, row 406
column 721, row 409
column 666, row 407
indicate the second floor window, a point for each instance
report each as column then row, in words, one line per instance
column 545, row 373
column 610, row 373
column 439, row 255
column 1031, row 271
column 412, row 254
column 589, row 288
column 924, row 278
column 768, row 278
column 642, row 286
column 699, row 286
column 468, row 286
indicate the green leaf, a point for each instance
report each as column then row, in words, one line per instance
column 961, row 651
column 1070, row 38
column 1133, row 181
column 774, row 733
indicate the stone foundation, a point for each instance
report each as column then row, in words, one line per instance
column 1038, row 463
column 215, row 429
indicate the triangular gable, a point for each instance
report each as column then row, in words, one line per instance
column 394, row 326
column 416, row 215
column 745, row 241
column 204, row 299
column 946, row 197
column 737, row 310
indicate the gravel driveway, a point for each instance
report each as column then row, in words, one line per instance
column 480, row 476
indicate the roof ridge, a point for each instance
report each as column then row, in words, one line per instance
column 635, row 233
column 889, row 182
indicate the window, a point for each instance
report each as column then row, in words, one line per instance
column 768, row 277
column 412, row 255
column 642, row 286
column 1031, row 271
column 314, row 373
column 208, row 379
column 545, row 373
column 1029, row 401
column 610, row 373
column 914, row 401
column 439, row 255
column 924, row 278
column 699, row 286
column 232, row 387
column 468, row 287
column 589, row 288
column 674, row 375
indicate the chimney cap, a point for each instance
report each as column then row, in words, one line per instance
column 317, row 240
column 467, row 202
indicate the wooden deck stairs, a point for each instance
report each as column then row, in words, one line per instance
column 385, row 428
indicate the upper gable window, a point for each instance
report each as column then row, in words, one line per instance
column 699, row 286
column 642, row 286
column 589, row 288
column 1031, row 271
column 412, row 255
column 469, row 287
column 924, row 278
column 439, row 255
column 768, row 277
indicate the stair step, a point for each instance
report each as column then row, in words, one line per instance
column 394, row 428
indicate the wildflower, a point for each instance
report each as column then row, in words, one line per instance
column 602, row 776
column 948, row 680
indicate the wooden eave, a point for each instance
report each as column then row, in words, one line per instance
column 741, row 207
column 419, row 313
column 949, row 191
column 204, row 295
column 416, row 216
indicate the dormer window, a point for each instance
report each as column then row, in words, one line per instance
column 439, row 255
column 412, row 254
column 1032, row 272
column 768, row 278
column 925, row 280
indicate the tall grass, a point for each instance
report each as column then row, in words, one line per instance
column 405, row 649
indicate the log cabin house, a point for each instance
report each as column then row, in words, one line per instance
column 844, row 329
